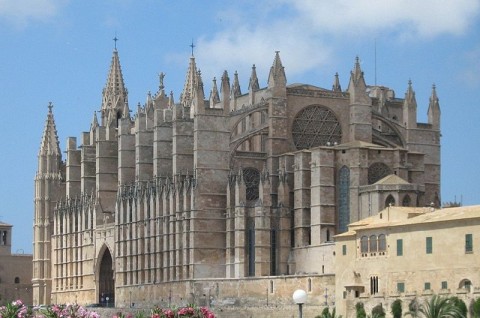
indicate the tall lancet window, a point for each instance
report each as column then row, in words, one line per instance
column 251, row 176
column 343, row 199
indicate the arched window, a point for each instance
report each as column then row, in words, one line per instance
column 377, row 171
column 364, row 244
column 373, row 243
column 343, row 199
column 390, row 201
column 328, row 235
column 315, row 126
column 465, row 284
column 382, row 243
column 17, row 280
column 251, row 177
column 406, row 200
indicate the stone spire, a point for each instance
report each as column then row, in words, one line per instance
column 214, row 95
column 277, row 77
column 198, row 102
column 94, row 123
column 236, row 91
column 225, row 90
column 115, row 95
column 190, row 83
column 253, row 84
column 434, row 109
column 357, row 87
column 50, row 146
column 410, row 107
column 336, row 84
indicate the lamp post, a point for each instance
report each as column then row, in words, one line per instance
column 300, row 297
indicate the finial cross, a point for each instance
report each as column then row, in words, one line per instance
column 50, row 106
column 115, row 39
column 192, row 46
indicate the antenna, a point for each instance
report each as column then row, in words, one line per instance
column 375, row 61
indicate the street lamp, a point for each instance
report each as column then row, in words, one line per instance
column 300, row 297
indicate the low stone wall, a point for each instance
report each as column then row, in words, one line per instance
column 258, row 297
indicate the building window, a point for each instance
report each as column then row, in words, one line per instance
column 401, row 287
column 364, row 244
column 343, row 199
column 17, row 280
column 406, row 200
column 344, row 249
column 427, row 286
column 382, row 243
column 468, row 243
column 4, row 237
column 390, row 201
column 444, row 285
column 399, row 247
column 428, row 245
column 373, row 285
column 251, row 177
column 373, row 243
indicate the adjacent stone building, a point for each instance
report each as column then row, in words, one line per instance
column 408, row 253
column 212, row 192
column 15, row 270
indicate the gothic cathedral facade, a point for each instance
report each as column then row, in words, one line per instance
column 228, row 186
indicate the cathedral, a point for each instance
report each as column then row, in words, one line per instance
column 223, row 196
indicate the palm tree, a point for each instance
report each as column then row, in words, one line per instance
column 440, row 307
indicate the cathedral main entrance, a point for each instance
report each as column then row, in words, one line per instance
column 106, row 281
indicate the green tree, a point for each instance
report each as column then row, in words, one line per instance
column 378, row 311
column 440, row 307
column 326, row 314
column 413, row 308
column 360, row 310
column 397, row 308
column 460, row 304
column 476, row 308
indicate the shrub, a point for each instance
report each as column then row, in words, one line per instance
column 397, row 308
column 360, row 310
column 378, row 311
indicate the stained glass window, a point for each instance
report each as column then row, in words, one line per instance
column 251, row 177
column 343, row 199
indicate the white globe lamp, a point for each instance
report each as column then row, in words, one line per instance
column 300, row 297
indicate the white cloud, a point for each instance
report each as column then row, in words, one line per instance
column 425, row 18
column 20, row 12
column 300, row 29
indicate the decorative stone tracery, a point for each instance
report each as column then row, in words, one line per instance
column 251, row 177
column 377, row 171
column 315, row 126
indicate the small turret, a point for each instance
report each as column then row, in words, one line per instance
column 225, row 90
column 336, row 84
column 410, row 108
column 214, row 96
column 360, row 106
column 434, row 110
column 357, row 87
column 253, row 85
column 198, row 103
column 276, row 77
column 235, row 92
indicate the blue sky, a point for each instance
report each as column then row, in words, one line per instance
column 60, row 51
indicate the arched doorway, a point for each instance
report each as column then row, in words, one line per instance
column 106, row 285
